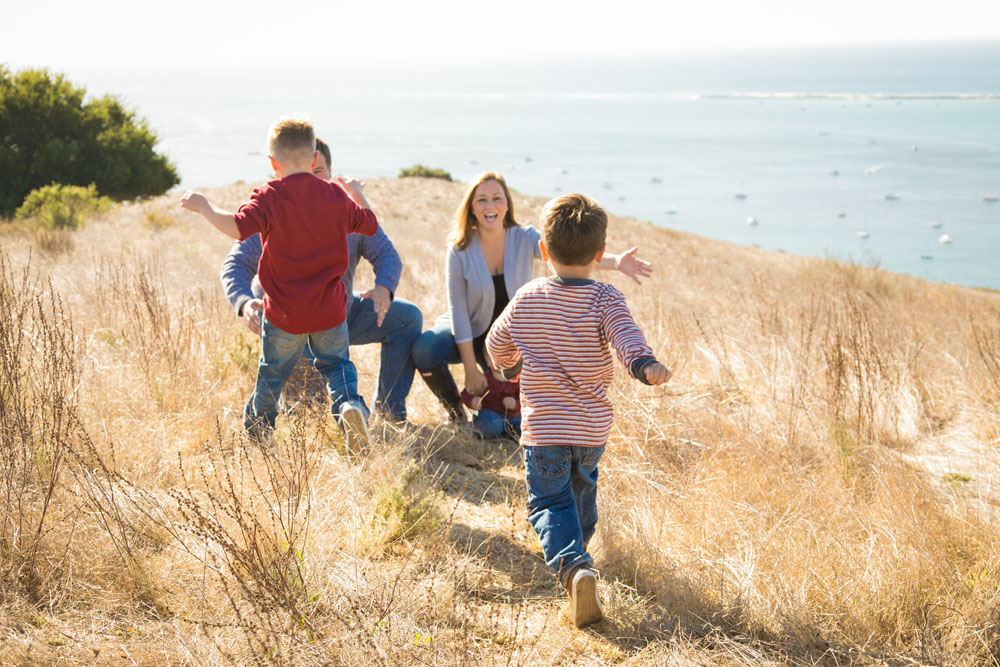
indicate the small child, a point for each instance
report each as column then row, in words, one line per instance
column 498, row 410
column 303, row 223
column 560, row 328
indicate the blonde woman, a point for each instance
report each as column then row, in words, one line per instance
column 490, row 256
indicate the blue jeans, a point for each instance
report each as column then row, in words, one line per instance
column 562, row 501
column 437, row 346
column 492, row 424
column 399, row 329
column 279, row 352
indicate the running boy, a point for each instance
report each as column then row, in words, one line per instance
column 303, row 223
column 560, row 328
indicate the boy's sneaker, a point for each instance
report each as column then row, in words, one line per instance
column 354, row 423
column 584, row 604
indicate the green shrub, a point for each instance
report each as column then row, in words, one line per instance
column 406, row 507
column 157, row 221
column 58, row 206
column 420, row 171
column 48, row 133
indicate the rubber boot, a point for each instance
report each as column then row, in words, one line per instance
column 442, row 384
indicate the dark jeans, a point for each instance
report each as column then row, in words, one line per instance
column 400, row 328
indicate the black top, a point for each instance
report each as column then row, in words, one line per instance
column 500, row 301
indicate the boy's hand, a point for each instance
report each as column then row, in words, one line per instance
column 656, row 373
column 195, row 201
column 633, row 267
column 354, row 188
column 509, row 402
column 381, row 300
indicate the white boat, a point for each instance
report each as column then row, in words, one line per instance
column 673, row 209
column 841, row 214
column 740, row 195
column 892, row 196
column 656, row 179
column 944, row 238
column 933, row 224
column 862, row 234
column 834, row 172
column 752, row 220
column 990, row 198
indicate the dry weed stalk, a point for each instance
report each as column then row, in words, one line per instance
column 38, row 385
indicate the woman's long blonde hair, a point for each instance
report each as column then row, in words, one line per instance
column 465, row 220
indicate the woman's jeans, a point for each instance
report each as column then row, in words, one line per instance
column 437, row 346
column 279, row 352
column 562, row 502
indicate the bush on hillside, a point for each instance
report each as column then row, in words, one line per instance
column 58, row 206
column 49, row 134
column 420, row 171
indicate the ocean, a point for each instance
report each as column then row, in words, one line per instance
column 887, row 156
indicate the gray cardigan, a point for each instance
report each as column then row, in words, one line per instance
column 470, row 286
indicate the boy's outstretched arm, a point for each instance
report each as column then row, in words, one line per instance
column 627, row 263
column 221, row 220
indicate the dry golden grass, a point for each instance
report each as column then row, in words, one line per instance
column 817, row 484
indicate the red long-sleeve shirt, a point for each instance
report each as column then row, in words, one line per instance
column 303, row 223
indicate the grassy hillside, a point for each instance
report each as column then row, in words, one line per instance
column 816, row 485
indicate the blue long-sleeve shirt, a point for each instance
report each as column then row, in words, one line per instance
column 240, row 266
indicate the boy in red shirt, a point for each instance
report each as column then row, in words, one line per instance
column 560, row 328
column 303, row 223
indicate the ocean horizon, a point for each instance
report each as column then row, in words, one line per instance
column 887, row 156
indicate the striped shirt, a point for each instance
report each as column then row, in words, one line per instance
column 561, row 329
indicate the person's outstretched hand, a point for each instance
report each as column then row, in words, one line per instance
column 632, row 266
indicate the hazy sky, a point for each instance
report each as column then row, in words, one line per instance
column 65, row 36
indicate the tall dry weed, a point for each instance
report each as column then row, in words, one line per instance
column 38, row 427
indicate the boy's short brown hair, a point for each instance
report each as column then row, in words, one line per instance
column 291, row 140
column 574, row 228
